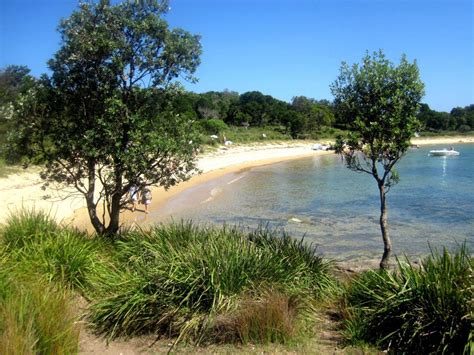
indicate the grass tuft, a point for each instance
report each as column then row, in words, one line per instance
column 36, row 318
column 272, row 317
column 417, row 309
column 27, row 226
column 176, row 279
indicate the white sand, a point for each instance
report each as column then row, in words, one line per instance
column 23, row 190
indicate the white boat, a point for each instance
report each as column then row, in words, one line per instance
column 318, row 146
column 443, row 152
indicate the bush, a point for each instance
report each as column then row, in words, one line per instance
column 213, row 126
column 177, row 279
column 426, row 309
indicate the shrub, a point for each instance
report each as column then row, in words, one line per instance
column 176, row 279
column 213, row 125
column 426, row 309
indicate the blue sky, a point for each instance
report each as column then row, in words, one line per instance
column 285, row 48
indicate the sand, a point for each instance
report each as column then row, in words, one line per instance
column 24, row 189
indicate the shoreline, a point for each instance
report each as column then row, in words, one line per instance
column 23, row 190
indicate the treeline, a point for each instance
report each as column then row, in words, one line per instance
column 459, row 119
column 298, row 118
column 214, row 111
column 302, row 115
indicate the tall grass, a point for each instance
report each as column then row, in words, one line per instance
column 36, row 317
column 177, row 279
column 417, row 309
column 34, row 241
column 40, row 264
column 26, row 226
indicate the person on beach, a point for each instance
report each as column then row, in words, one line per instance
column 133, row 193
column 146, row 197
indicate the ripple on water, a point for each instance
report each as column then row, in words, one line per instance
column 432, row 205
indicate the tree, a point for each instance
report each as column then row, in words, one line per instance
column 103, row 120
column 380, row 101
column 15, row 81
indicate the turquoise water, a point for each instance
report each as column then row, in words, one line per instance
column 338, row 209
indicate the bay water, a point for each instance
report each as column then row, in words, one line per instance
column 337, row 209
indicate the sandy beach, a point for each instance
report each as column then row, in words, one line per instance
column 24, row 189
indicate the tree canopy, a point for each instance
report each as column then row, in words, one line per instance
column 380, row 101
column 103, row 120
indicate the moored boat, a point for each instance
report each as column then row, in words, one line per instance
column 443, row 152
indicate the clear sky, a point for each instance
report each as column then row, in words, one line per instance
column 285, row 48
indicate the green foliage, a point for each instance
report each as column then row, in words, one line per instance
column 25, row 227
column 106, row 112
column 255, row 134
column 176, row 279
column 416, row 309
column 36, row 243
column 379, row 102
column 460, row 119
column 15, row 82
column 213, row 126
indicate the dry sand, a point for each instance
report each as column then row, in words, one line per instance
column 24, row 190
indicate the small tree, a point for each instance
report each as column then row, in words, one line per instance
column 102, row 120
column 380, row 101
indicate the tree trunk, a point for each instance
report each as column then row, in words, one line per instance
column 91, row 206
column 114, row 222
column 113, row 226
column 387, row 244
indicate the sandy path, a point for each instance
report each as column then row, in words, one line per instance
column 23, row 190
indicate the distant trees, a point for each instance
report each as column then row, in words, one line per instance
column 15, row 82
column 459, row 119
column 380, row 101
column 104, row 120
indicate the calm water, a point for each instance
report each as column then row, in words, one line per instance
column 338, row 209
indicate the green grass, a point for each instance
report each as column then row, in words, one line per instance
column 34, row 241
column 255, row 134
column 417, row 309
column 36, row 316
column 40, row 266
column 217, row 285
column 179, row 279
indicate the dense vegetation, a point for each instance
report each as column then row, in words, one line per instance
column 215, row 285
column 231, row 114
column 195, row 283
column 425, row 309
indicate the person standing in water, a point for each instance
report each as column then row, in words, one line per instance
column 146, row 197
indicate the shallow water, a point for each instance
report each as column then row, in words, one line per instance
column 338, row 209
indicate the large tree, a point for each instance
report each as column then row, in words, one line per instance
column 102, row 121
column 380, row 101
